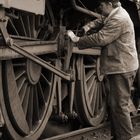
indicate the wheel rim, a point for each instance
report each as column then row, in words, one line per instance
column 91, row 94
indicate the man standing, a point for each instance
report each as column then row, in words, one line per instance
column 119, row 61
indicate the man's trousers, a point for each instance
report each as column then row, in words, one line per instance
column 119, row 96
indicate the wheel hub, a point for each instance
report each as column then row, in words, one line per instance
column 33, row 72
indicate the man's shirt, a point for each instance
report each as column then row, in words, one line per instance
column 117, row 40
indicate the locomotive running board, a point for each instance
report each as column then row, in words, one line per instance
column 9, row 42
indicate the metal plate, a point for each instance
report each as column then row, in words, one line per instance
column 34, row 6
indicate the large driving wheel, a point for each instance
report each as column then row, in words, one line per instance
column 90, row 91
column 26, row 99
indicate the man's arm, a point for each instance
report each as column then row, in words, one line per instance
column 93, row 24
column 110, row 32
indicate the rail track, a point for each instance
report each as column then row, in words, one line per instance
column 79, row 134
column 101, row 132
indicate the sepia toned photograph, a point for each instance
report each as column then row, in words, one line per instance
column 69, row 70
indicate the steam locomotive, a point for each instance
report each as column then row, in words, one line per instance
column 43, row 75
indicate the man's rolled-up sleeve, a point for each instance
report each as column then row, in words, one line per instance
column 96, row 23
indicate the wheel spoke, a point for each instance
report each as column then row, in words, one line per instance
column 46, row 80
column 97, row 99
column 41, row 94
column 30, row 109
column 90, row 74
column 26, row 101
column 94, row 92
column 20, row 83
column 13, row 27
column 29, row 26
column 19, row 26
column 25, row 22
column 91, row 92
column 22, row 93
column 33, row 31
column 23, row 26
column 19, row 73
column 90, row 84
column 93, row 101
column 36, row 105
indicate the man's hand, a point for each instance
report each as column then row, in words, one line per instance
column 72, row 36
column 86, row 28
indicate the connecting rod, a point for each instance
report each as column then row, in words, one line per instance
column 15, row 47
